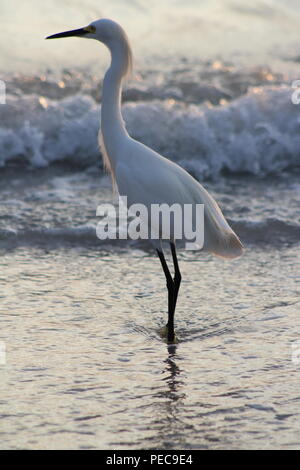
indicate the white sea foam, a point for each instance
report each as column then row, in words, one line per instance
column 257, row 133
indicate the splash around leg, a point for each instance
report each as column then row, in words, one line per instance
column 164, row 334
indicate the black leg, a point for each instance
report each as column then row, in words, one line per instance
column 177, row 275
column 173, row 285
column 171, row 296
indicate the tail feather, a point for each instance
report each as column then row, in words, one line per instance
column 219, row 238
column 227, row 246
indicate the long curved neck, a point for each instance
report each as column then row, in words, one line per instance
column 112, row 124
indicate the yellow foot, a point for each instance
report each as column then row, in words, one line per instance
column 163, row 333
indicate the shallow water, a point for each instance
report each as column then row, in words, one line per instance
column 86, row 366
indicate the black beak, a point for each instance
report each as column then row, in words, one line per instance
column 75, row 32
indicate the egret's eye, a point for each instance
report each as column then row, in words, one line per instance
column 90, row 29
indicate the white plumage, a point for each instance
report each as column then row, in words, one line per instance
column 140, row 173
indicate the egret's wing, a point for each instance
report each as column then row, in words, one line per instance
column 148, row 178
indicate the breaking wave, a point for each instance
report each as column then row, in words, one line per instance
column 271, row 231
column 256, row 133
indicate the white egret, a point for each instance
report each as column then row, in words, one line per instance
column 142, row 174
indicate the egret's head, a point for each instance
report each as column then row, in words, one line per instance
column 103, row 30
column 109, row 33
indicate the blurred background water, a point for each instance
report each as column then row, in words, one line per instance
column 86, row 366
column 263, row 32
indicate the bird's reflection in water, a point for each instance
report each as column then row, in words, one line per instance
column 173, row 371
column 169, row 425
